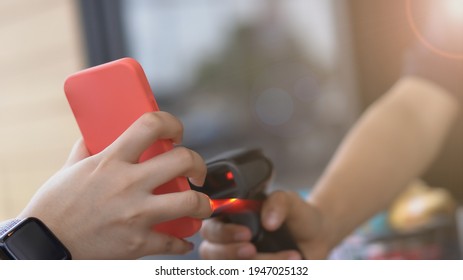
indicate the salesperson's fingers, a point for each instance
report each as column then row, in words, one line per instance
column 235, row 251
column 216, row 231
column 275, row 210
column 283, row 255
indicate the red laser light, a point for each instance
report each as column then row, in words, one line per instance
column 229, row 175
column 235, row 205
column 217, row 203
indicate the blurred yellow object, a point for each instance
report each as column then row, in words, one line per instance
column 420, row 206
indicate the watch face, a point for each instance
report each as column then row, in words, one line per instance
column 32, row 240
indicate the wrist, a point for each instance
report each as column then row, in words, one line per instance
column 5, row 226
column 324, row 239
column 30, row 239
column 56, row 225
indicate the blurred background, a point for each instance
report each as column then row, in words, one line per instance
column 287, row 76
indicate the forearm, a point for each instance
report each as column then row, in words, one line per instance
column 393, row 143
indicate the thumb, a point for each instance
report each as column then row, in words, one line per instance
column 302, row 219
column 78, row 153
column 275, row 210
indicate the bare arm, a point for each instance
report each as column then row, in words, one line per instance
column 393, row 143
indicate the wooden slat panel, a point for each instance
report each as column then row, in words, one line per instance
column 12, row 11
column 35, row 42
column 39, row 46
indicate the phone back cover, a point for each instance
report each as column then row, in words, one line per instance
column 106, row 100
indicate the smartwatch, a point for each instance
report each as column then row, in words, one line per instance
column 30, row 239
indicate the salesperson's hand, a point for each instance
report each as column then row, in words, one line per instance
column 303, row 220
column 102, row 206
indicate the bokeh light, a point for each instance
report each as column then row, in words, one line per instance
column 274, row 106
column 448, row 16
column 454, row 8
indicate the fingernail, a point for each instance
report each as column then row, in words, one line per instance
column 272, row 219
column 245, row 252
column 190, row 246
column 211, row 204
column 294, row 256
column 242, row 236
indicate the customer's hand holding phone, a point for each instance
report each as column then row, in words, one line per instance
column 102, row 206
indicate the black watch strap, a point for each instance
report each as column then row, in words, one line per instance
column 7, row 225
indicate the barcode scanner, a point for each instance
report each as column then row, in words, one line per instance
column 236, row 182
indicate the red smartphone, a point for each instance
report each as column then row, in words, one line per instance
column 106, row 100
